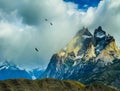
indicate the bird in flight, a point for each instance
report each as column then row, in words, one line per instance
column 46, row 19
column 51, row 23
column 36, row 49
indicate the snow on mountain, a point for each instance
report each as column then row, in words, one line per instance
column 85, row 57
column 36, row 72
column 5, row 65
column 9, row 70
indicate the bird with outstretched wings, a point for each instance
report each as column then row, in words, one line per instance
column 36, row 49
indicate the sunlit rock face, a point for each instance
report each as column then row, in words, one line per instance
column 84, row 56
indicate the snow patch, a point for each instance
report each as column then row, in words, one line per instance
column 100, row 35
column 85, row 36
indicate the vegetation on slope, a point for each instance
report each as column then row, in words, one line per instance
column 49, row 85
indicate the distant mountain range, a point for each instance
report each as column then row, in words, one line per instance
column 87, row 58
column 9, row 70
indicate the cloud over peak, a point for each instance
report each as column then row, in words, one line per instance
column 23, row 27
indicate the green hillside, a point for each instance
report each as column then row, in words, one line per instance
column 49, row 85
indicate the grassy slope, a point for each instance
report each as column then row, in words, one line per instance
column 49, row 85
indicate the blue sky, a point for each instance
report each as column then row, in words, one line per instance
column 84, row 4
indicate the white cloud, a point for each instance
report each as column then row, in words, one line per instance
column 22, row 27
column 107, row 14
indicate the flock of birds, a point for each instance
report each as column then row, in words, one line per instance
column 36, row 49
column 50, row 22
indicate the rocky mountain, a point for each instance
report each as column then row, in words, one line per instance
column 88, row 58
column 50, row 85
column 9, row 70
column 36, row 72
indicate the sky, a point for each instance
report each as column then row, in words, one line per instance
column 85, row 4
column 23, row 27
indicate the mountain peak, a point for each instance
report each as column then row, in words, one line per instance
column 84, row 31
column 87, row 46
column 76, row 43
column 84, row 56
column 8, row 65
column 99, row 33
column 101, row 40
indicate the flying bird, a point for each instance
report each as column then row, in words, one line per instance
column 51, row 23
column 36, row 49
column 46, row 19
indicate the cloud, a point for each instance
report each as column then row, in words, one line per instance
column 23, row 27
column 107, row 14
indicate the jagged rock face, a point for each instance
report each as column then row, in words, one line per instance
column 90, row 53
column 101, row 40
column 83, row 37
column 110, row 53
column 83, row 56
column 99, row 35
column 55, row 65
